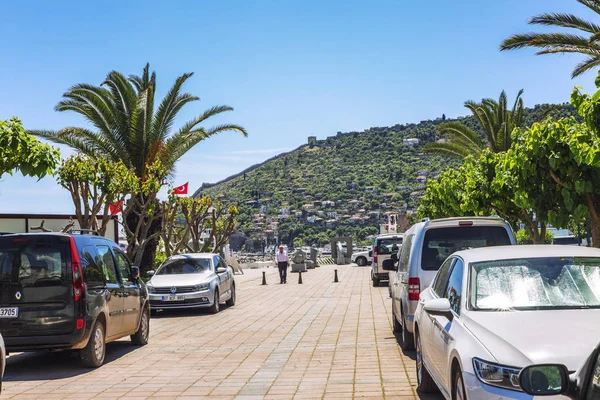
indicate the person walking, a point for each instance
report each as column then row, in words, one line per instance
column 282, row 263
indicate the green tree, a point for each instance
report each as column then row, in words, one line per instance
column 586, row 41
column 496, row 121
column 22, row 152
column 94, row 183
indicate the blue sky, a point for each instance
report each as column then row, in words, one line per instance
column 290, row 69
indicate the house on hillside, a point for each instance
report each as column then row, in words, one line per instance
column 410, row 142
column 331, row 223
column 421, row 179
column 328, row 203
column 331, row 214
column 370, row 189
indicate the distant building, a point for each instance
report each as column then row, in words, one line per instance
column 410, row 142
column 312, row 140
column 421, row 179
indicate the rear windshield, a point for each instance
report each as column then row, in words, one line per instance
column 439, row 243
column 388, row 245
column 184, row 266
column 33, row 264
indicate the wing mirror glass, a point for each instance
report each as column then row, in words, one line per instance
column 151, row 272
column 438, row 307
column 135, row 272
column 389, row 265
column 544, row 379
column 220, row 270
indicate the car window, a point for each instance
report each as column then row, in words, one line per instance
column 388, row 245
column 123, row 265
column 441, row 279
column 216, row 262
column 222, row 263
column 108, row 264
column 184, row 266
column 439, row 243
column 405, row 254
column 593, row 389
column 33, row 263
column 454, row 289
column 91, row 266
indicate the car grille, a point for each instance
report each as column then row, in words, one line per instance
column 177, row 303
column 180, row 289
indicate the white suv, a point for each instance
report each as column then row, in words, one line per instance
column 383, row 248
column 426, row 245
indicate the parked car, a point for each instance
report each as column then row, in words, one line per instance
column 554, row 379
column 492, row 311
column 383, row 248
column 2, row 361
column 69, row 292
column 362, row 258
column 201, row 280
column 426, row 245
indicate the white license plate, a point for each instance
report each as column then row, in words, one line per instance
column 9, row 312
column 173, row 298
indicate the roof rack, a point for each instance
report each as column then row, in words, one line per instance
column 83, row 232
column 426, row 219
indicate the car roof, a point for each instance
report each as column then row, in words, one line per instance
column 390, row 235
column 525, row 251
column 193, row 255
column 427, row 223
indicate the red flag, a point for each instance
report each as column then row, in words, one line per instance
column 115, row 208
column 183, row 189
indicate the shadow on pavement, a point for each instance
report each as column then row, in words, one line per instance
column 185, row 312
column 46, row 365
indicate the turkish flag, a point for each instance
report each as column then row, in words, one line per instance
column 115, row 208
column 183, row 189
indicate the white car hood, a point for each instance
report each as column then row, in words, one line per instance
column 180, row 279
column 521, row 338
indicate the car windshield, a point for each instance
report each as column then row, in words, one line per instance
column 536, row 283
column 33, row 264
column 439, row 243
column 388, row 245
column 184, row 266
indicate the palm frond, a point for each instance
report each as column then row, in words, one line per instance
column 585, row 66
column 447, row 149
column 565, row 21
column 171, row 104
column 76, row 143
column 545, row 41
column 457, row 131
column 593, row 5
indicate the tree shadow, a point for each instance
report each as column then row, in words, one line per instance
column 185, row 312
column 47, row 365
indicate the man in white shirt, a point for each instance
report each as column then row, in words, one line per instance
column 282, row 263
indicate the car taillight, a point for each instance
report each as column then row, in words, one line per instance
column 78, row 285
column 375, row 254
column 414, row 288
column 80, row 323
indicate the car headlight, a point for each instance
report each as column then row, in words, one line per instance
column 202, row 286
column 497, row 375
column 149, row 287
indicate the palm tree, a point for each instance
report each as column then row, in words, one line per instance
column 586, row 42
column 496, row 121
column 127, row 126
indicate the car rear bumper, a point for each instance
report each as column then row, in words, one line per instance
column 75, row 340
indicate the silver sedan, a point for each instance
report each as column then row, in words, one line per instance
column 198, row 280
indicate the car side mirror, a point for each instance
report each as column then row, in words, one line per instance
column 151, row 273
column 439, row 307
column 220, row 270
column 395, row 257
column 389, row 265
column 135, row 272
column 544, row 379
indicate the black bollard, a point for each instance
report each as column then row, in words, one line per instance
column 335, row 279
column 264, row 278
column 299, row 277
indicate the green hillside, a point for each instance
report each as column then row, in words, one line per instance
column 342, row 185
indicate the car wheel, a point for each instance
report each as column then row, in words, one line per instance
column 94, row 352
column 231, row 301
column 361, row 261
column 215, row 307
column 458, row 387
column 408, row 339
column 425, row 383
column 396, row 326
column 140, row 338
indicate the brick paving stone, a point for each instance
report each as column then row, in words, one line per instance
column 318, row 340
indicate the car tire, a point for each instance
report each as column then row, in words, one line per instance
column 361, row 261
column 93, row 354
column 458, row 386
column 231, row 301
column 396, row 326
column 408, row 339
column 214, row 309
column 140, row 338
column 425, row 383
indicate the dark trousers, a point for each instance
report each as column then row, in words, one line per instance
column 282, row 265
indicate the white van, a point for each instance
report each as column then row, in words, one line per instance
column 383, row 248
column 426, row 245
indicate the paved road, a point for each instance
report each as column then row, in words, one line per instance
column 311, row 341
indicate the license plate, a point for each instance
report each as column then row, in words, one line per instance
column 9, row 312
column 173, row 298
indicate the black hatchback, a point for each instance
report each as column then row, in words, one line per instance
column 69, row 291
